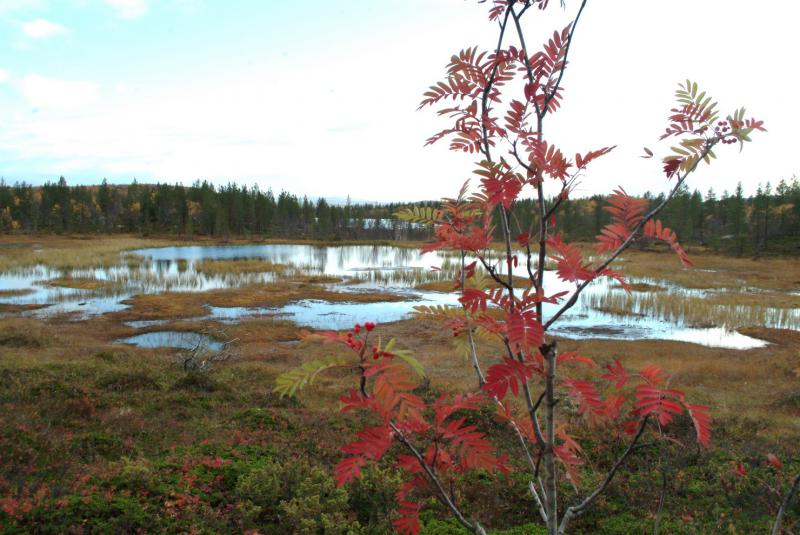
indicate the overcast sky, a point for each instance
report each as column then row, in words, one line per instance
column 318, row 97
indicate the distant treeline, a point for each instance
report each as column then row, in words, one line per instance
column 731, row 222
column 727, row 222
column 200, row 209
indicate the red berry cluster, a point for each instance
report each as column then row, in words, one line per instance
column 722, row 129
column 376, row 353
column 358, row 345
column 368, row 326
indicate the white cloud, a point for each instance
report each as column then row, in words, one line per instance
column 54, row 94
column 12, row 6
column 346, row 134
column 42, row 28
column 129, row 9
column 4, row 76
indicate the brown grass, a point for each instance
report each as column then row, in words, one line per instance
column 224, row 267
column 79, row 283
column 15, row 293
column 189, row 304
column 753, row 384
column 67, row 252
column 733, row 309
column 712, row 270
column 15, row 309
column 641, row 287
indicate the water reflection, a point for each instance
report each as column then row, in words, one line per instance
column 176, row 339
column 648, row 315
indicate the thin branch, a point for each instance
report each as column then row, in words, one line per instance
column 564, row 63
column 579, row 509
column 476, row 365
column 443, row 496
column 488, row 89
column 521, row 36
column 627, row 243
column 662, row 499
column 785, row 505
column 539, row 503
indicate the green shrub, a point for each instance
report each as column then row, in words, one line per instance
column 295, row 497
column 129, row 381
column 197, row 382
column 91, row 445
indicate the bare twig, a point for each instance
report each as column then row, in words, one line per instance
column 445, row 498
column 661, row 500
column 564, row 63
column 577, row 510
column 785, row 505
column 633, row 235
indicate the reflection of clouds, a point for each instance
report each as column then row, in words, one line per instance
column 176, row 339
column 365, row 267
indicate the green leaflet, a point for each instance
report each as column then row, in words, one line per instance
column 406, row 355
column 287, row 384
column 419, row 214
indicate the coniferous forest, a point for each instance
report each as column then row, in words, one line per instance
column 731, row 222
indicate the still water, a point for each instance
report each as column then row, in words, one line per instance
column 362, row 268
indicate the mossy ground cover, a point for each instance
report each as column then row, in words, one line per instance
column 101, row 438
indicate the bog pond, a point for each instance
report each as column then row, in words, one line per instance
column 659, row 310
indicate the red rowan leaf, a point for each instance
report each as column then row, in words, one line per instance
column 617, row 276
column 567, row 454
column 616, row 372
column 631, row 427
column 586, row 395
column 348, row 469
column 626, row 212
column 547, row 159
column 509, row 374
column 774, row 461
column 614, row 406
column 671, row 166
column 516, row 116
column 739, row 470
column 407, row 521
column 524, row 331
column 443, row 408
column 652, row 400
column 353, row 400
column 572, row 356
column 475, row 452
column 372, row 444
column 499, row 184
column 570, row 264
column 701, row 421
column 582, row 161
column 654, row 229
column 653, row 374
column 473, row 299
column 408, row 463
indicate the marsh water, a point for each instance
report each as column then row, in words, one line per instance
column 360, row 268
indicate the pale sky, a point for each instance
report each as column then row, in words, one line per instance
column 318, row 97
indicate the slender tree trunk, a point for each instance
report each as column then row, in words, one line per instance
column 551, row 487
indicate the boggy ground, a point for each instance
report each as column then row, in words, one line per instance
column 102, row 438
column 69, row 251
